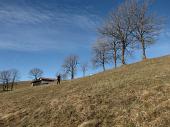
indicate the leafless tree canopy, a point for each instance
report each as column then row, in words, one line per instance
column 119, row 27
column 146, row 25
column 101, row 53
column 36, row 73
column 130, row 23
column 70, row 65
column 5, row 77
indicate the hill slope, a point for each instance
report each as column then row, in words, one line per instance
column 133, row 95
column 18, row 85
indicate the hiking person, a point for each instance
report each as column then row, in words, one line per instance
column 58, row 79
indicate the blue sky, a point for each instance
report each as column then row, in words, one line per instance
column 41, row 33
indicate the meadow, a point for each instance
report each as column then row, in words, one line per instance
column 135, row 95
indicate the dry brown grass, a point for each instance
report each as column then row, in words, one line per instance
column 136, row 95
column 18, row 85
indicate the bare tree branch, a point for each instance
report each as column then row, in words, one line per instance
column 36, row 73
column 70, row 65
column 84, row 68
column 101, row 53
column 8, row 77
column 147, row 25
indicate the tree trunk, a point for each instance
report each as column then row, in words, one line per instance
column 12, row 85
column 123, row 53
column 104, row 67
column 143, row 50
column 103, row 62
column 115, row 55
column 35, row 78
column 7, row 86
column 72, row 75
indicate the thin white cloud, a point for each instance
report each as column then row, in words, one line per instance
column 26, row 15
column 34, row 46
column 35, row 38
column 17, row 15
column 43, row 40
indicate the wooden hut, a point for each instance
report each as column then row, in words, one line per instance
column 42, row 81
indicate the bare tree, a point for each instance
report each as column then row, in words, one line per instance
column 14, row 77
column 119, row 27
column 36, row 73
column 84, row 68
column 70, row 65
column 5, row 77
column 115, row 50
column 132, row 24
column 8, row 77
column 147, row 26
column 101, row 53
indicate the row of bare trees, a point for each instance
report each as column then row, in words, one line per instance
column 70, row 67
column 132, row 25
column 8, row 78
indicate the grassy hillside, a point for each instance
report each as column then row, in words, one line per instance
column 130, row 96
column 18, row 85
